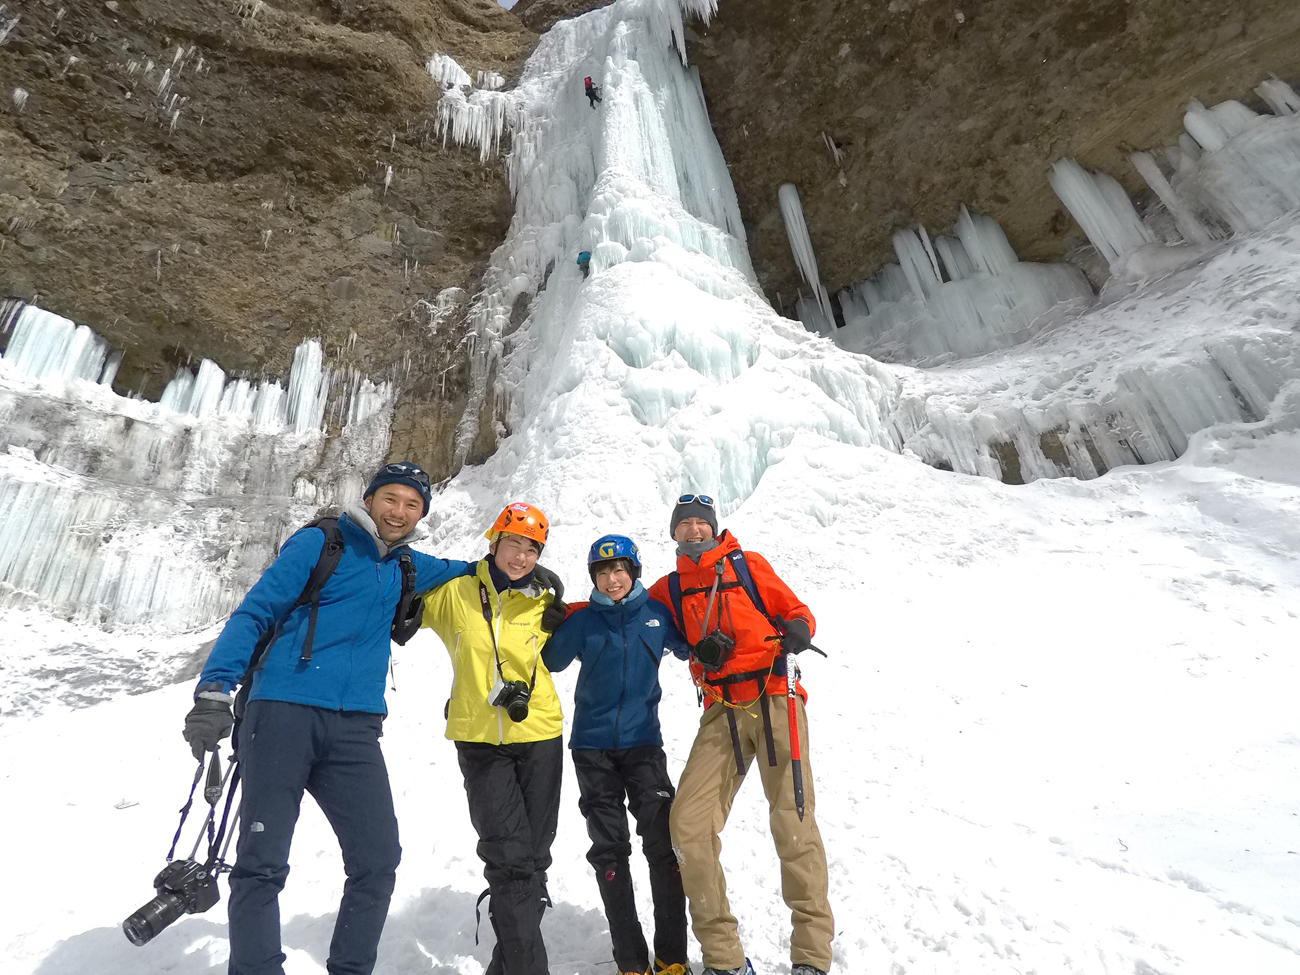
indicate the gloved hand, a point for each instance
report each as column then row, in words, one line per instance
column 549, row 580
column 210, row 720
column 796, row 638
column 553, row 615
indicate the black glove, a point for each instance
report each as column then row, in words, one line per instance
column 553, row 615
column 795, row 636
column 549, row 580
column 210, row 720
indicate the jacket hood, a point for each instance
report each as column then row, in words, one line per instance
column 359, row 515
column 631, row 601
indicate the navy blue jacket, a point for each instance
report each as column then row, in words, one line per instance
column 349, row 660
column 616, row 702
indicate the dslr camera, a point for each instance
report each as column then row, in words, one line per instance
column 184, row 887
column 714, row 649
column 512, row 695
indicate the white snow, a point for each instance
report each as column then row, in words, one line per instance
column 1056, row 732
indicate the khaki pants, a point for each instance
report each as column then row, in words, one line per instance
column 704, row 796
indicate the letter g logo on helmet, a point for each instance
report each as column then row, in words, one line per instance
column 608, row 550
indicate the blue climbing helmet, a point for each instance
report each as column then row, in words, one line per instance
column 611, row 548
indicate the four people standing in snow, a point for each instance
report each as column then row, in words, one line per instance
column 313, row 725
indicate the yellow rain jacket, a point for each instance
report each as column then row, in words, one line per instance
column 455, row 612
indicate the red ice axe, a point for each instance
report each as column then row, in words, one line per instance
column 796, row 764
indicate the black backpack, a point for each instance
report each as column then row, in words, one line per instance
column 406, row 620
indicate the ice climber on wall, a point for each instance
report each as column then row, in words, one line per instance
column 505, row 719
column 592, row 91
column 742, row 622
column 619, row 638
column 313, row 674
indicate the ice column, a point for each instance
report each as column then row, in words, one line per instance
column 796, row 229
column 1184, row 219
column 1103, row 210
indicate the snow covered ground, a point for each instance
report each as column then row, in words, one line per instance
column 1056, row 732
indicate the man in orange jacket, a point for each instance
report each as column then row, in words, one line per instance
column 742, row 622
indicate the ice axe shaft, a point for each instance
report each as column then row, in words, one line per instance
column 796, row 763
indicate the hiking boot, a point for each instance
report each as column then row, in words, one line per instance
column 662, row 969
column 745, row 969
column 805, row 970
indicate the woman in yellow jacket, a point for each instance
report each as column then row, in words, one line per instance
column 504, row 716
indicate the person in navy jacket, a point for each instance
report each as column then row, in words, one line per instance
column 314, row 720
column 620, row 637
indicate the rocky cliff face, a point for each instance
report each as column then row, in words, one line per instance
column 222, row 178
column 889, row 113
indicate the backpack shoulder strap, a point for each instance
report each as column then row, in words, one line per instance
column 741, row 568
column 410, row 608
column 328, row 561
column 675, row 594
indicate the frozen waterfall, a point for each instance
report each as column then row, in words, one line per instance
column 118, row 511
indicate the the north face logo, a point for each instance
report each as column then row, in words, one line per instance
column 651, row 622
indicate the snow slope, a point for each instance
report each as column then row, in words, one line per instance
column 1056, row 731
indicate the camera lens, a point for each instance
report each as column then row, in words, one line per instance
column 518, row 708
column 146, row 924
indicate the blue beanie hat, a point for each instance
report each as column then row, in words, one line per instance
column 412, row 475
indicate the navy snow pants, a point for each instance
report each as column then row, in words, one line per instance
column 605, row 779
column 284, row 750
column 514, row 804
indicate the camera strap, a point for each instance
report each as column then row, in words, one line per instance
column 486, row 602
column 185, row 811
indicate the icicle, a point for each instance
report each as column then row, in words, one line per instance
column 1204, row 127
column 1280, row 96
column 444, row 70
column 1103, row 210
column 309, row 385
column 796, row 231
column 491, row 80
column 1191, row 229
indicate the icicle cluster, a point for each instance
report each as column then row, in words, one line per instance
column 444, row 70
column 954, row 296
column 119, row 511
column 1233, row 171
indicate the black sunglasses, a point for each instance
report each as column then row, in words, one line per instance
column 701, row 498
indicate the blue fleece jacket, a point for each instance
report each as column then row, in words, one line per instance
column 349, row 660
column 616, row 701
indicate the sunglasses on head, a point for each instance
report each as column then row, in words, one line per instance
column 407, row 470
column 701, row 498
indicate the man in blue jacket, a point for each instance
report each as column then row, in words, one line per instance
column 620, row 637
column 314, row 718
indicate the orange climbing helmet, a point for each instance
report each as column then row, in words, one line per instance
column 523, row 519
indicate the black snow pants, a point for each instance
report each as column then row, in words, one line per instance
column 640, row 774
column 284, row 750
column 593, row 95
column 514, row 804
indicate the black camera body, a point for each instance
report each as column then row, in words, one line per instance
column 513, row 695
column 714, row 650
column 184, row 887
